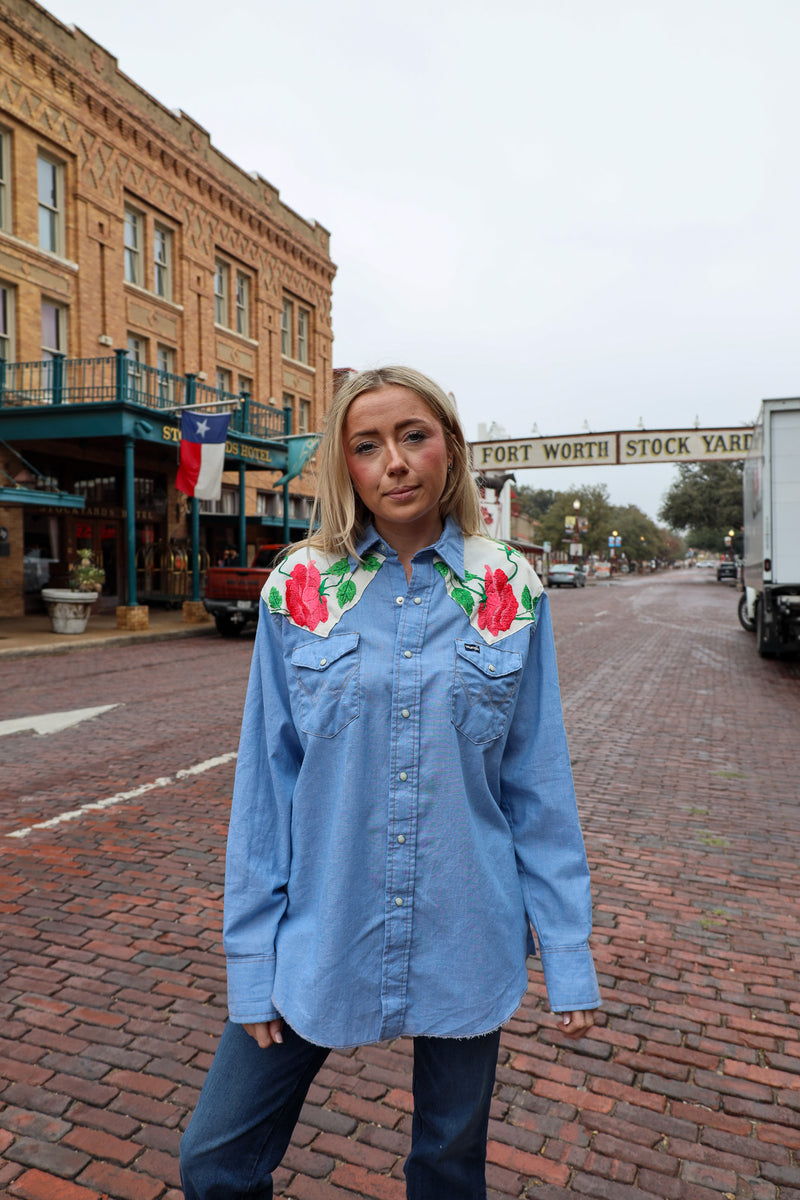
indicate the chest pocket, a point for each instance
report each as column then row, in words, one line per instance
column 327, row 677
column 484, row 688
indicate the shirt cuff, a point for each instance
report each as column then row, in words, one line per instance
column 570, row 978
column 250, row 982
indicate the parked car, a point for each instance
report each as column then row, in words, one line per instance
column 566, row 575
column 726, row 569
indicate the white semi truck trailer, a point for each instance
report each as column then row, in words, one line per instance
column 770, row 604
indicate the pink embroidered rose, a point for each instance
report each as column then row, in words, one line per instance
column 305, row 605
column 498, row 610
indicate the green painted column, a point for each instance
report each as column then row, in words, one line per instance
column 242, row 517
column 130, row 522
column 195, row 512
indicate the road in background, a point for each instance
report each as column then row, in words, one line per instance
column 684, row 747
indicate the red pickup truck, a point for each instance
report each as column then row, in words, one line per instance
column 232, row 593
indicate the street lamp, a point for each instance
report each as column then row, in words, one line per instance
column 576, row 504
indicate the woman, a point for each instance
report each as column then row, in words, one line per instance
column 403, row 811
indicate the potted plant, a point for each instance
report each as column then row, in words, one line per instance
column 69, row 608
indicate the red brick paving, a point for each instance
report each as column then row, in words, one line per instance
column 684, row 747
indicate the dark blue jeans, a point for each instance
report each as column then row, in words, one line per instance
column 251, row 1100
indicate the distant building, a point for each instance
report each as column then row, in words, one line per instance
column 140, row 270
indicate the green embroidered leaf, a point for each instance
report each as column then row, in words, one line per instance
column 471, row 575
column 465, row 599
column 442, row 568
column 340, row 567
column 371, row 563
column 275, row 601
column 527, row 602
column 346, row 592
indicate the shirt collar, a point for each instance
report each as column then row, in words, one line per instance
column 450, row 546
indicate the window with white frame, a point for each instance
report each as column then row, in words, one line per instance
column 6, row 323
column 5, row 180
column 162, row 262
column 223, row 380
column 242, row 304
column 269, row 504
column 287, row 323
column 50, row 178
column 221, row 292
column 54, row 329
column 245, row 385
column 304, row 416
column 134, row 223
column 165, row 365
column 303, row 322
column 137, row 355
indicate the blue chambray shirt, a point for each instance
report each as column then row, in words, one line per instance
column 403, row 810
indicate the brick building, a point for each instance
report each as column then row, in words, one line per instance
column 122, row 229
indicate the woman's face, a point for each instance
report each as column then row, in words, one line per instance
column 397, row 456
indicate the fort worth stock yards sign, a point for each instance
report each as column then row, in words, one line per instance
column 613, row 449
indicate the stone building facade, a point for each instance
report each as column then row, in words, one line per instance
column 122, row 227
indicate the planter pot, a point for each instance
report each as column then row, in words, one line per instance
column 68, row 611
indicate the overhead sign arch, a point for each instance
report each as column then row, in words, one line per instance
column 633, row 446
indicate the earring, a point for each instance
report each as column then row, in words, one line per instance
column 449, row 467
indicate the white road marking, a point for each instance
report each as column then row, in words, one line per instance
column 53, row 722
column 603, row 613
column 120, row 797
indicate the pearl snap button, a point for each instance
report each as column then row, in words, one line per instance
column 403, row 775
column 399, row 599
column 322, row 662
column 491, row 667
column 406, row 654
column 401, row 838
column 405, row 713
column 418, row 600
column 398, row 901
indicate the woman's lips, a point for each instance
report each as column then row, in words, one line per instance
column 401, row 493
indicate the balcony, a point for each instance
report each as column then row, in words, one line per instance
column 117, row 380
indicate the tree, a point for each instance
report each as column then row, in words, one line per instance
column 534, row 502
column 705, row 502
column 595, row 508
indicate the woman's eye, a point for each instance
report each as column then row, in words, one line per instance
column 416, row 435
column 364, row 447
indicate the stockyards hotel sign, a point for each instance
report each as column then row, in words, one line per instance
column 613, row 449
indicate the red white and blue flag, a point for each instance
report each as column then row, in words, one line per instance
column 202, row 454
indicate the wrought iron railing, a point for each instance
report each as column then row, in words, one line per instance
column 119, row 379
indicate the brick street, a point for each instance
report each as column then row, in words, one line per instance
column 112, row 986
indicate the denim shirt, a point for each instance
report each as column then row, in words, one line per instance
column 403, row 810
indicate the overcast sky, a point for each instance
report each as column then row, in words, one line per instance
column 565, row 211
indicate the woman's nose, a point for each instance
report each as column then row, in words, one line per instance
column 394, row 459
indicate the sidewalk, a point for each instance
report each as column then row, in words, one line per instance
column 32, row 635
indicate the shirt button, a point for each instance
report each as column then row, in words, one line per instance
column 401, row 838
column 405, row 713
column 418, row 600
column 398, row 901
column 403, row 775
column 491, row 667
column 322, row 662
column 406, row 654
column 399, row 599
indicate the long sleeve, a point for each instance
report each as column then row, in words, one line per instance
column 538, row 797
column 259, row 842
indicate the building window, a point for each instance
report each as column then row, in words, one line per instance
column 51, row 204
column 133, row 247
column 269, row 504
column 5, row 176
column 245, row 385
column 165, row 364
column 162, row 261
column 223, row 380
column 137, row 354
column 221, row 293
column 54, row 331
column 287, row 321
column 303, row 320
column 228, row 503
column 304, row 417
column 6, row 323
column 288, row 402
column 242, row 304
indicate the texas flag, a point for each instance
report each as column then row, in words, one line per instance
column 202, row 454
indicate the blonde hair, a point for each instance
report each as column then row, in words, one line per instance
column 339, row 514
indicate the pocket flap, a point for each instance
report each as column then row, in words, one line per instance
column 319, row 655
column 488, row 659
